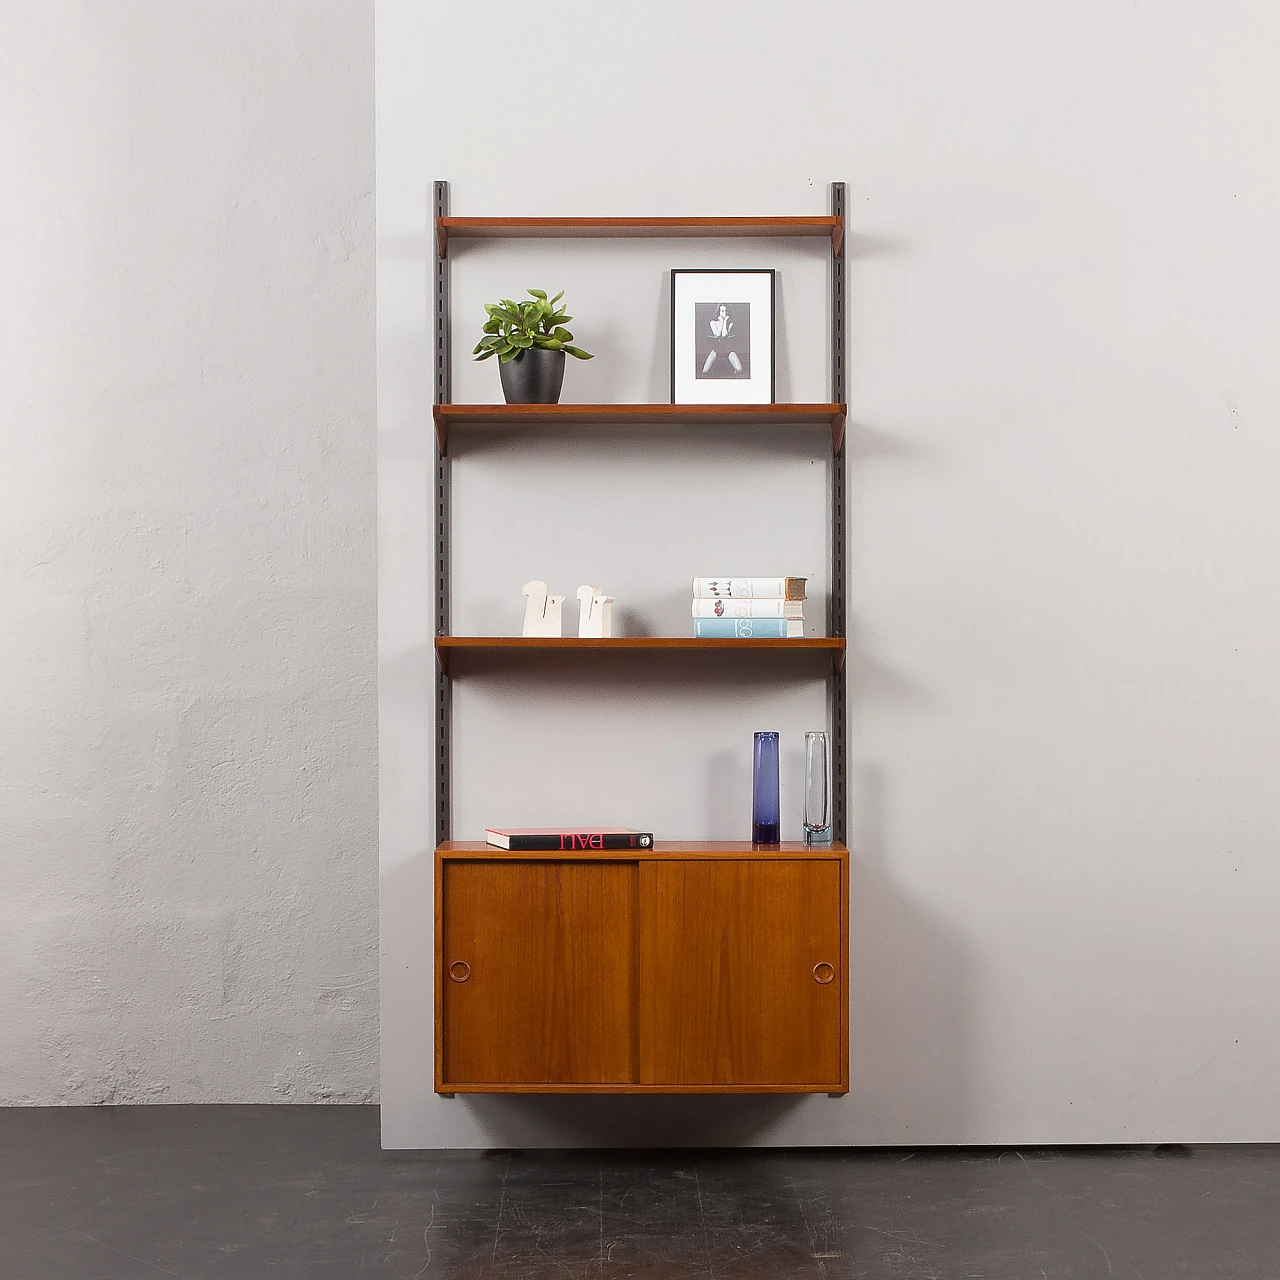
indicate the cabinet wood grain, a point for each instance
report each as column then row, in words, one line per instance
column 548, row 953
column 741, row 973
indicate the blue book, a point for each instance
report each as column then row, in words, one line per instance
column 748, row 628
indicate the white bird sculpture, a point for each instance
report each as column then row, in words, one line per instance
column 541, row 611
column 595, row 616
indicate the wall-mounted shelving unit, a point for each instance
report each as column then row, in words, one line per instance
column 554, row 974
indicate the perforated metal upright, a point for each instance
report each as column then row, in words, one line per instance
column 838, row 598
column 442, row 394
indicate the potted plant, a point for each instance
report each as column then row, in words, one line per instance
column 530, row 341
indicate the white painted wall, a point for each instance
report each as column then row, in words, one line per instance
column 1064, row 545
column 187, row 737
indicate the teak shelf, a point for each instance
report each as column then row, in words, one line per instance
column 676, row 850
column 449, row 645
column 828, row 227
column 544, row 415
column 692, row 966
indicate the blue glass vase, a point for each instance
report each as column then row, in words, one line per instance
column 765, row 825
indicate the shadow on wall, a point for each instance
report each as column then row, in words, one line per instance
column 696, row 1120
column 912, row 1009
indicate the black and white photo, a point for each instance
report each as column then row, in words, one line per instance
column 722, row 339
column 722, row 336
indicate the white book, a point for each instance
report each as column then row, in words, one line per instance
column 747, row 608
column 749, row 588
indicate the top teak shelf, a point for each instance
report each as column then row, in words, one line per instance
column 825, row 226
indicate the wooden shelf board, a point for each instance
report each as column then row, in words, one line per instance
column 833, row 1089
column 826, row 226
column 661, row 851
column 446, row 646
column 541, row 415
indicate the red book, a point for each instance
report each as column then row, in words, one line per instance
column 528, row 839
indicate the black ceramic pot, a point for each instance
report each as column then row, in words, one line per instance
column 535, row 376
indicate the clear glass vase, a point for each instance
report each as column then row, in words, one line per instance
column 765, row 824
column 817, row 788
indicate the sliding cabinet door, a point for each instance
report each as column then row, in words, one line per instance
column 742, row 973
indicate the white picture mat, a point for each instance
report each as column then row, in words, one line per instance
column 690, row 287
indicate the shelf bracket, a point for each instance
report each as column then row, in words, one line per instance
column 837, row 431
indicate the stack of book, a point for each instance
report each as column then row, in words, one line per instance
column 748, row 608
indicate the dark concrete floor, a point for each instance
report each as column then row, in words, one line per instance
column 252, row 1193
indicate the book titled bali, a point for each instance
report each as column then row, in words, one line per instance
column 531, row 839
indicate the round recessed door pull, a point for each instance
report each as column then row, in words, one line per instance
column 823, row 973
column 459, row 971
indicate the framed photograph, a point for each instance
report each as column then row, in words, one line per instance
column 721, row 336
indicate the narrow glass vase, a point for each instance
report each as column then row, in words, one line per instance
column 765, row 824
column 817, row 788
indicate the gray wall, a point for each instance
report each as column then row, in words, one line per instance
column 187, row 604
column 1063, row 546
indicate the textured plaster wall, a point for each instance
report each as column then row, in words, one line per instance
column 1064, row 533
column 187, row 609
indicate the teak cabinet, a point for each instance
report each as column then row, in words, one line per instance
column 708, row 967
column 688, row 968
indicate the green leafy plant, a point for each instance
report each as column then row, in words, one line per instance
column 514, row 327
